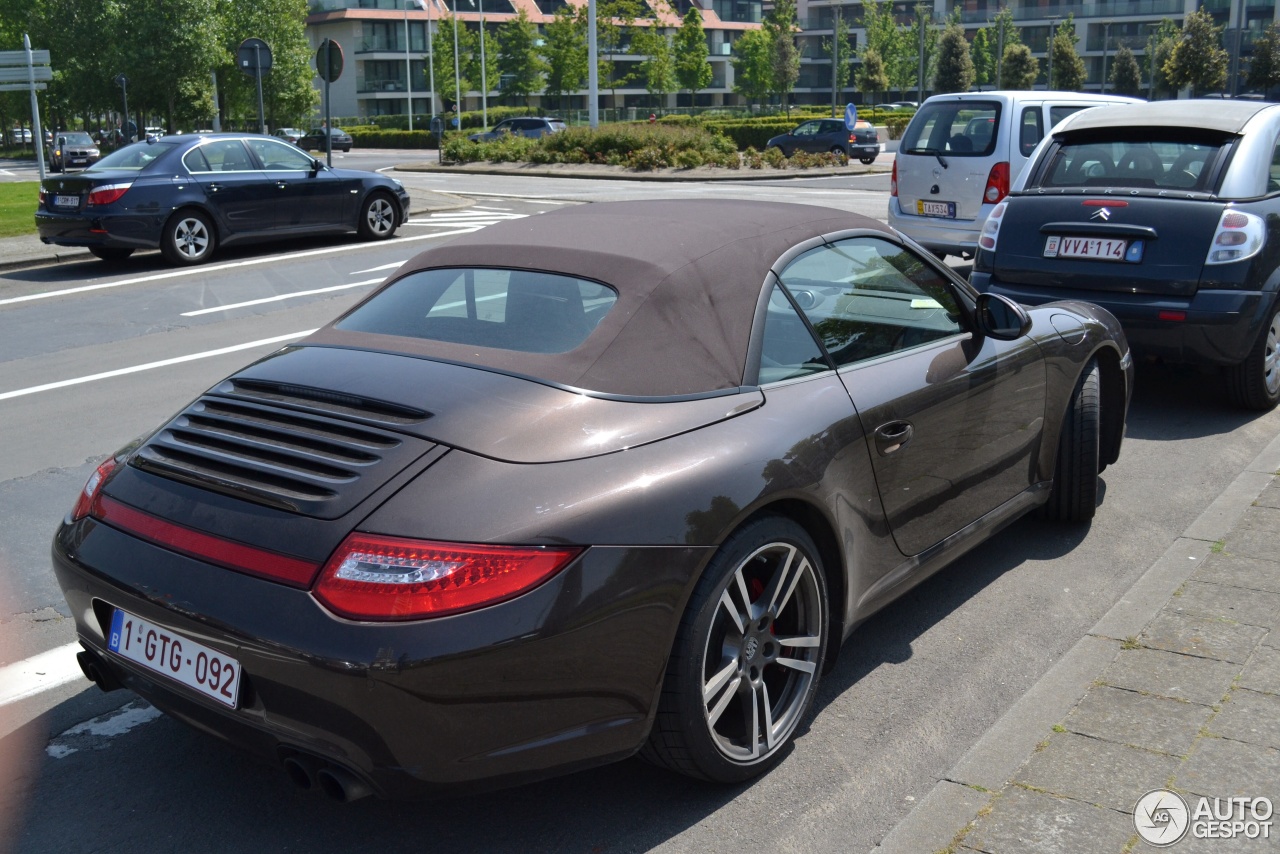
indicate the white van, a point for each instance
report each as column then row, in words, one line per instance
column 959, row 154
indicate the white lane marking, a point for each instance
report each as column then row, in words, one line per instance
column 39, row 673
column 110, row 725
column 390, row 266
column 163, row 363
column 474, row 214
column 6, row 172
column 214, row 268
column 486, row 208
column 279, row 297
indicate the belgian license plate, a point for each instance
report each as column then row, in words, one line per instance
column 66, row 201
column 76, row 161
column 943, row 209
column 169, row 654
column 1093, row 248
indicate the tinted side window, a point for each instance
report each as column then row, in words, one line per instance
column 806, row 129
column 520, row 310
column 278, row 155
column 220, row 155
column 1061, row 111
column 788, row 349
column 1030, row 130
column 868, row 297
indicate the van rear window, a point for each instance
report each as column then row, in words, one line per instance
column 954, row 128
column 1144, row 162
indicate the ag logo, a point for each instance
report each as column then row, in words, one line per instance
column 1161, row 817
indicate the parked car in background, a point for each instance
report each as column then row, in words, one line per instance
column 818, row 135
column 19, row 136
column 959, row 154
column 313, row 140
column 153, row 132
column 529, row 126
column 187, row 195
column 71, row 149
column 480, row 530
column 288, row 134
column 1166, row 214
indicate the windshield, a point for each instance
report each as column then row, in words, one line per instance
column 1158, row 161
column 519, row 310
column 138, row 156
column 76, row 138
column 961, row 128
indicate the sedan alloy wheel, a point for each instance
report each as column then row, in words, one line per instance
column 188, row 239
column 377, row 218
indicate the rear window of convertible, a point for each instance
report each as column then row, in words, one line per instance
column 520, row 310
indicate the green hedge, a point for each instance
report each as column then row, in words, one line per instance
column 392, row 139
column 753, row 133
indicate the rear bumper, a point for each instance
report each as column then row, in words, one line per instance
column 1219, row 328
column 79, row 229
column 561, row 678
column 941, row 236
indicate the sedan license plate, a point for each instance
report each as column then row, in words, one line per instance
column 1093, row 248
column 168, row 653
column 67, row 201
column 942, row 209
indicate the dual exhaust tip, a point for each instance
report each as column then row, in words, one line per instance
column 336, row 782
column 306, row 772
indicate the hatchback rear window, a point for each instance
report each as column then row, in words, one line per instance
column 521, row 310
column 960, row 128
column 1143, row 161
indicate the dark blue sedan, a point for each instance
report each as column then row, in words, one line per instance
column 187, row 195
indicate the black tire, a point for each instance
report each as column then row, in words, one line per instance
column 188, row 238
column 379, row 217
column 730, row 647
column 867, row 161
column 110, row 254
column 1074, row 496
column 1255, row 382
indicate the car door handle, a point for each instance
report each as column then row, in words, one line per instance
column 892, row 436
column 215, row 187
column 282, row 184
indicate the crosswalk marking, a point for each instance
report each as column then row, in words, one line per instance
column 470, row 218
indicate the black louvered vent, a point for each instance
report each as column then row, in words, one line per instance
column 305, row 462
column 338, row 403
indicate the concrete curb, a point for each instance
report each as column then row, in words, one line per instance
column 992, row 761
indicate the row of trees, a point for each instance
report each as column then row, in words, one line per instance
column 168, row 51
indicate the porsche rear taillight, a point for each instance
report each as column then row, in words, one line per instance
column 107, row 193
column 372, row 577
column 85, row 500
column 997, row 183
column 1239, row 236
column 991, row 228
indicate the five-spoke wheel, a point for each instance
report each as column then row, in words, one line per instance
column 188, row 238
column 378, row 219
column 747, row 658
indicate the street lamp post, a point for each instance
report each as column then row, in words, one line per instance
column 408, row 68
column 431, row 58
column 484, row 74
column 457, row 71
column 1106, row 42
column 1048, row 52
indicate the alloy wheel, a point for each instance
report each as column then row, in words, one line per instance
column 1271, row 357
column 191, row 237
column 380, row 216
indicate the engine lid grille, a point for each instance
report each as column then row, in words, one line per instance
column 300, row 461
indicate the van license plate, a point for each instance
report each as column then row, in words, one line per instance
column 942, row 209
column 1093, row 248
column 169, row 654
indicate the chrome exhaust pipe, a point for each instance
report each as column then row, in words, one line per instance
column 342, row 785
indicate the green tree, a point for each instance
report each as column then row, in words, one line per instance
column 484, row 75
column 519, row 60
column 983, row 62
column 904, row 69
column 287, row 92
column 752, row 70
column 1126, row 77
column 1021, row 69
column 615, row 26
column 693, row 70
column 658, row 68
column 838, row 51
column 955, row 71
column 1198, row 59
column 1068, row 67
column 168, row 50
column 1264, row 69
column 76, row 34
column 1160, row 45
column 565, row 51
column 442, row 51
column 871, row 76
column 784, row 60
column 1004, row 35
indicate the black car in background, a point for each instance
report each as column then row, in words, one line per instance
column 830, row 135
column 74, row 149
column 314, row 140
column 187, row 195
column 525, row 126
column 1166, row 214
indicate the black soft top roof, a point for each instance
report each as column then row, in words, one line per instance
column 688, row 274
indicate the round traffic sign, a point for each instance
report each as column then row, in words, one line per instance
column 329, row 60
column 253, row 57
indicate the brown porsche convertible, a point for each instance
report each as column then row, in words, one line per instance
column 619, row 478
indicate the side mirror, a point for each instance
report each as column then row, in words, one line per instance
column 1001, row 318
column 316, row 166
column 62, row 140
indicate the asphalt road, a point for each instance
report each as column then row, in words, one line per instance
column 914, row 687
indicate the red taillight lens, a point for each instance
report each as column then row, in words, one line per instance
column 44, row 197
column 893, row 182
column 91, row 487
column 991, row 228
column 107, row 193
column 997, row 183
column 371, row 577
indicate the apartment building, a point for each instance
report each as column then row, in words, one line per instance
column 379, row 38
